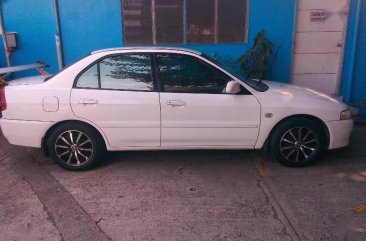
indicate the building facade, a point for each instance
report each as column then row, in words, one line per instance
column 317, row 43
column 94, row 24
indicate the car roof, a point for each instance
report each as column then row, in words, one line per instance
column 147, row 48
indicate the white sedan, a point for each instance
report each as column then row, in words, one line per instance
column 166, row 99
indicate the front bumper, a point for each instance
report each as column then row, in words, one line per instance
column 24, row 133
column 339, row 133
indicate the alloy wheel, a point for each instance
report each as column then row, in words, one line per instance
column 74, row 148
column 299, row 144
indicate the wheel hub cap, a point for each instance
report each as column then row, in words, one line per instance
column 74, row 148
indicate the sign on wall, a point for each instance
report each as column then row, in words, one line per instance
column 318, row 15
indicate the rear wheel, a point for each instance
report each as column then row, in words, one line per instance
column 75, row 147
column 298, row 142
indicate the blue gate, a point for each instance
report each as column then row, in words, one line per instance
column 354, row 72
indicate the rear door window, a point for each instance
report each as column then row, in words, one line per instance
column 119, row 72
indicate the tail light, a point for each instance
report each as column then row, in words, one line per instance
column 2, row 99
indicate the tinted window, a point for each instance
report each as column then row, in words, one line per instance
column 89, row 79
column 232, row 18
column 122, row 72
column 179, row 21
column 126, row 72
column 183, row 73
column 169, row 21
column 137, row 22
column 201, row 24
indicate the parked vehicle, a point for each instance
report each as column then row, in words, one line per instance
column 166, row 99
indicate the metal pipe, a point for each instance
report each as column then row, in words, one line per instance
column 58, row 39
column 153, row 20
column 185, row 22
column 3, row 34
column 216, row 22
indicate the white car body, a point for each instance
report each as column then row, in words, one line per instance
column 131, row 120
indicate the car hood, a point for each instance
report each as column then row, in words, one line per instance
column 29, row 80
column 289, row 91
column 284, row 100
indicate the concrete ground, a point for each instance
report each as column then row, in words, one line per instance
column 184, row 195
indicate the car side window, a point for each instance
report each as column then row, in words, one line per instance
column 89, row 79
column 126, row 72
column 119, row 72
column 187, row 74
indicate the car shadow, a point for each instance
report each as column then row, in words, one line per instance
column 176, row 156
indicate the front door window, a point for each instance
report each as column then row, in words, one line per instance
column 187, row 74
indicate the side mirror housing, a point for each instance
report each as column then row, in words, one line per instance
column 232, row 87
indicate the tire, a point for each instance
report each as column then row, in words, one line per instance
column 298, row 142
column 75, row 147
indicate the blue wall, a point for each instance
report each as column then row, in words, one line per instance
column 34, row 23
column 95, row 24
column 354, row 72
column 89, row 25
column 277, row 18
column 359, row 79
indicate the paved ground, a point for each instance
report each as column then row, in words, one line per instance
column 184, row 195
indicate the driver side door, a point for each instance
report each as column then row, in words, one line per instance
column 194, row 110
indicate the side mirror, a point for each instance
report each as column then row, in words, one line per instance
column 232, row 87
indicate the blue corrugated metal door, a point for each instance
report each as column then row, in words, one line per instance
column 354, row 72
column 359, row 76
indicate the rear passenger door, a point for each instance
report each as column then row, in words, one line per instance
column 118, row 94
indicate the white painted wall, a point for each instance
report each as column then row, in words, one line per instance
column 319, row 45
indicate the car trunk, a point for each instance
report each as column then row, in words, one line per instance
column 29, row 80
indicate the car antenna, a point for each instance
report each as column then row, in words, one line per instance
column 259, row 82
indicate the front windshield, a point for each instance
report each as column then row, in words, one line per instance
column 255, row 84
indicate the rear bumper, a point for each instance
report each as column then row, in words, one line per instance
column 24, row 133
column 339, row 133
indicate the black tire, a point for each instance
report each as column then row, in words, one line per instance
column 298, row 142
column 75, row 147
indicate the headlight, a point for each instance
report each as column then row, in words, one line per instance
column 345, row 115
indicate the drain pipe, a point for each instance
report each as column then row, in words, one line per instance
column 60, row 54
column 3, row 34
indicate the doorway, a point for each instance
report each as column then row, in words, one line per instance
column 319, row 44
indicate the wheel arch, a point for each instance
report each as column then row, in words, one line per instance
column 301, row 116
column 45, row 138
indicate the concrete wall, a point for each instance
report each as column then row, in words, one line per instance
column 95, row 24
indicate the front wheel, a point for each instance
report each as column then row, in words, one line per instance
column 298, row 142
column 75, row 147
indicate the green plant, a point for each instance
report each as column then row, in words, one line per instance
column 255, row 63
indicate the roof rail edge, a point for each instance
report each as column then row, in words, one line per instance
column 147, row 48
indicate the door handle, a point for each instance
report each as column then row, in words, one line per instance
column 176, row 103
column 88, row 101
